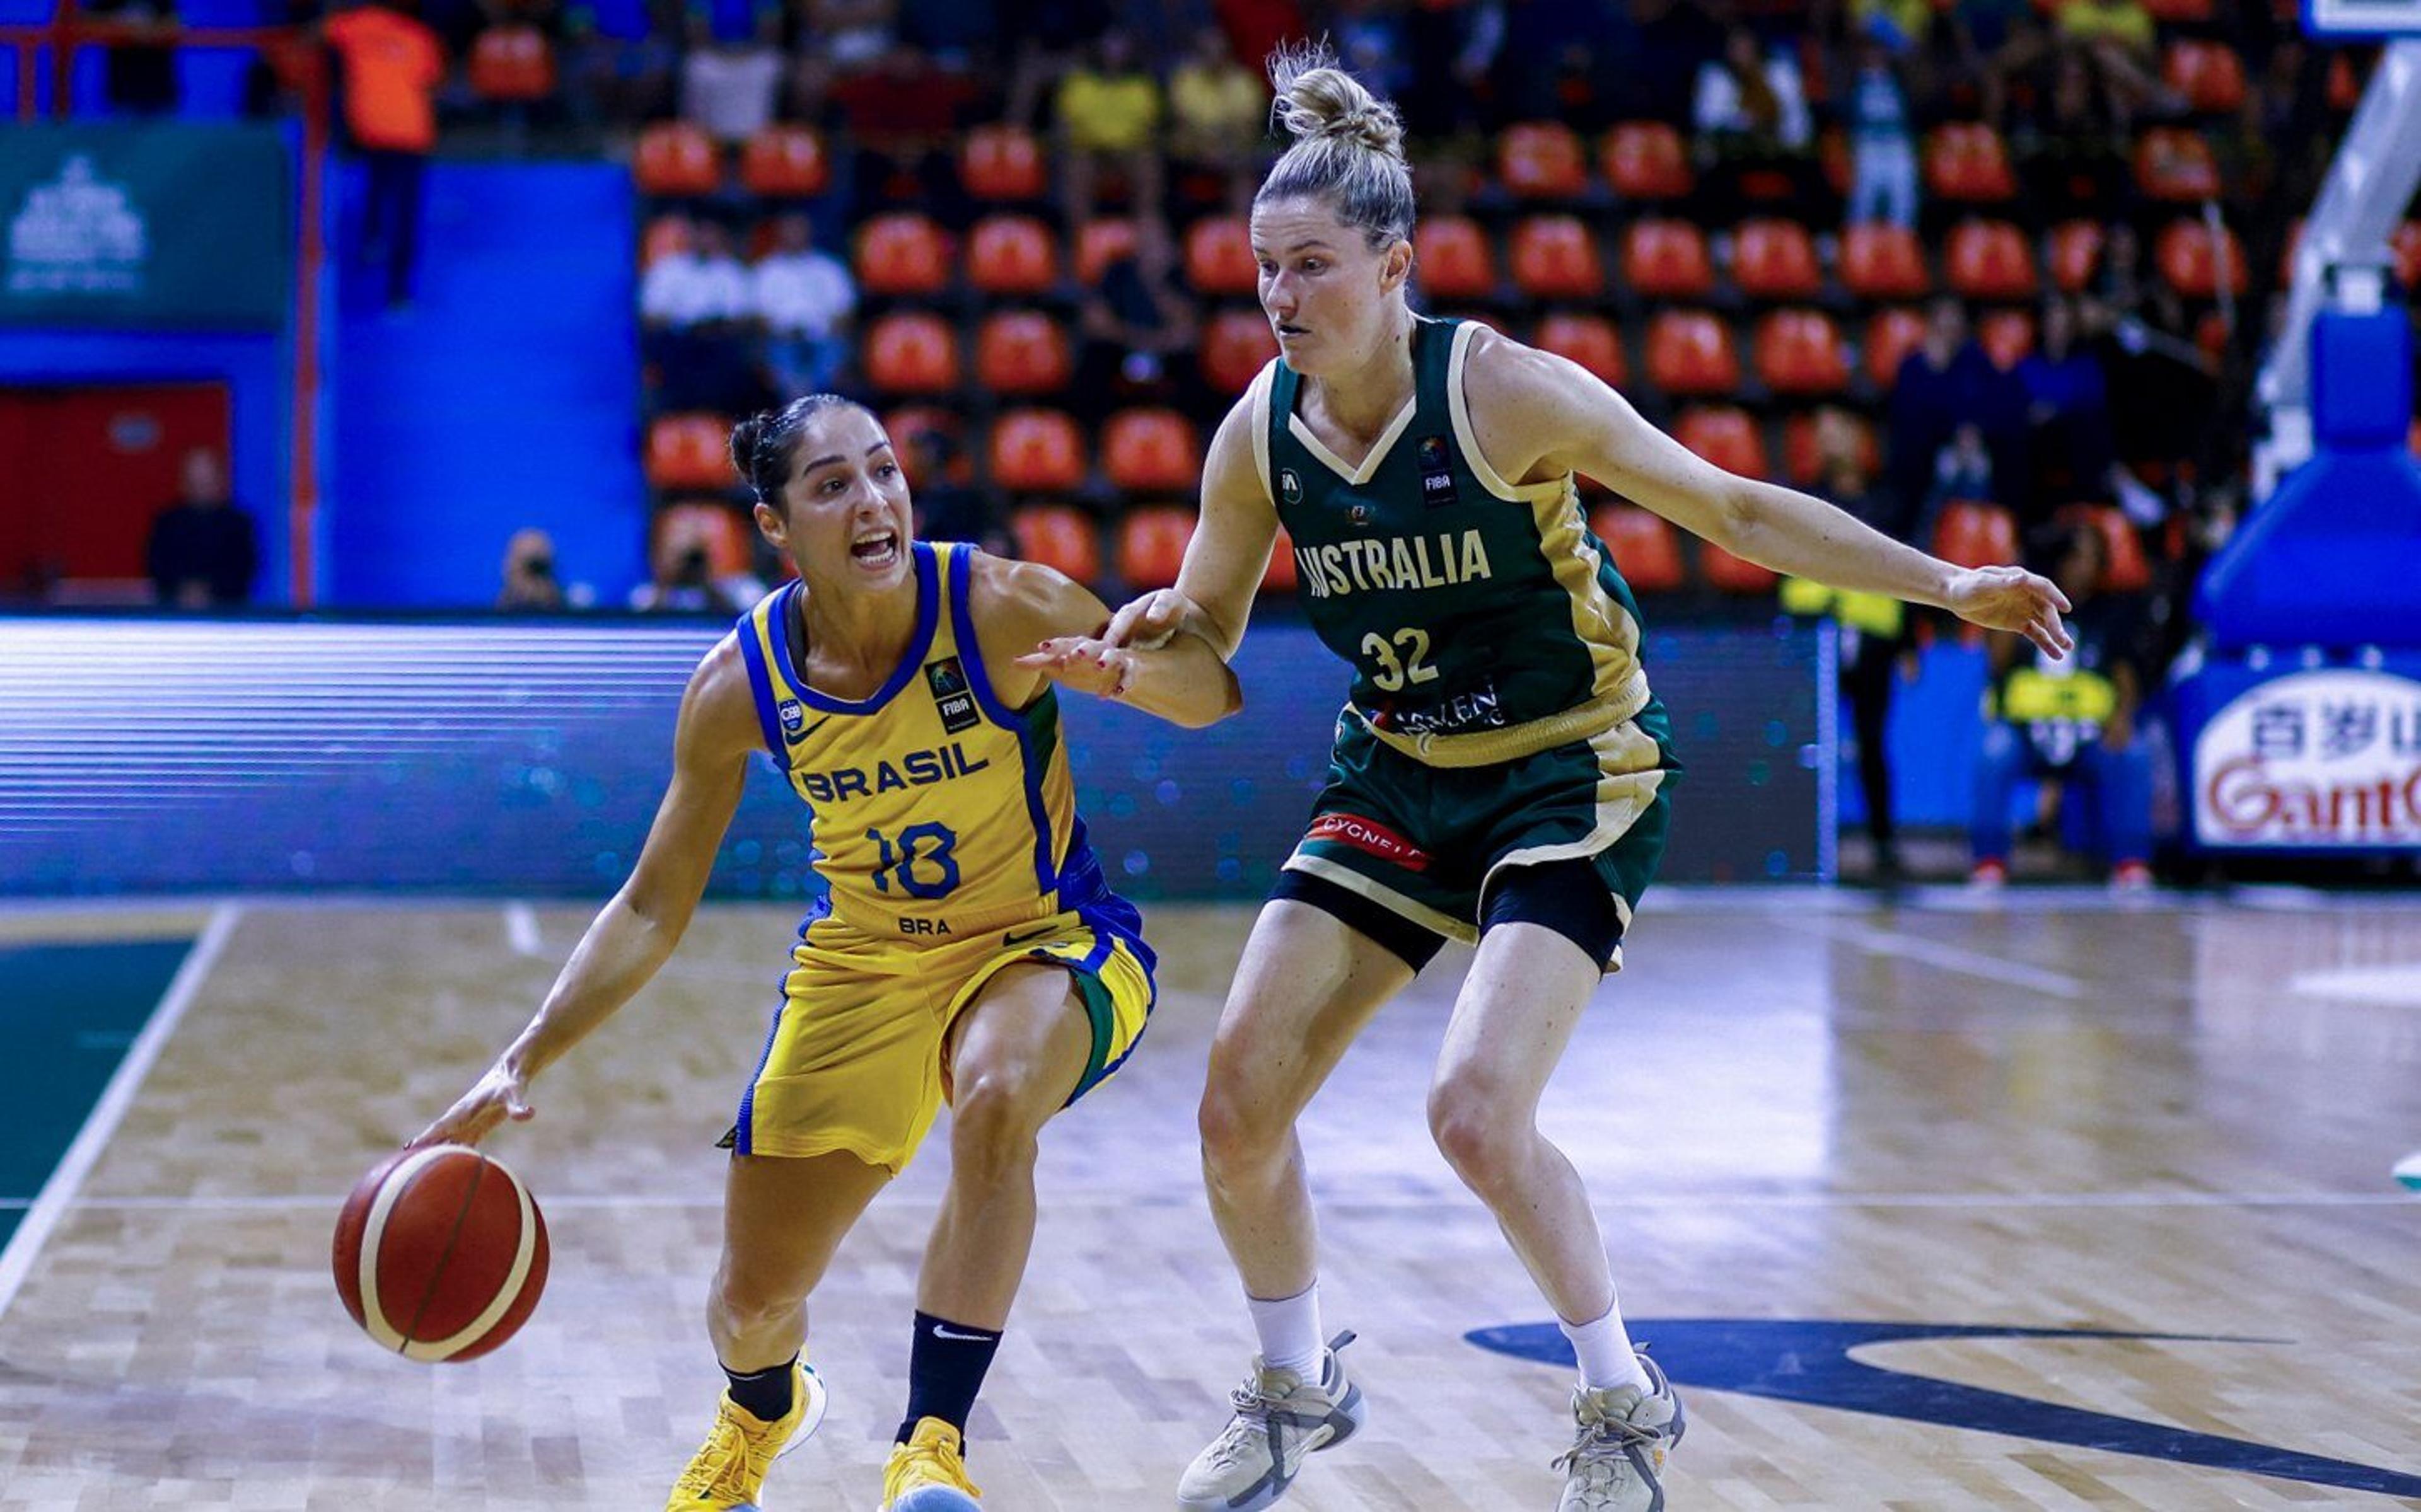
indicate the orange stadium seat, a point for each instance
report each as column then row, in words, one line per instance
column 1219, row 257
column 1235, row 347
column 2128, row 570
column 1801, row 352
column 721, row 529
column 1280, row 576
column 1059, row 535
column 1966, row 162
column 690, row 451
column 1541, row 160
column 2192, row 264
column 1691, row 352
column 999, row 161
column 903, row 253
column 676, row 158
column 2075, row 253
column 1884, row 262
column 665, row 236
column 1775, row 260
column 1890, row 336
column 1971, row 534
column 785, row 161
column 1022, row 352
column 1152, row 545
column 1037, row 451
column 1668, row 259
column 1101, row 243
column 1589, row 340
column 1728, row 573
column 1556, row 256
column 1803, row 443
column 1012, row 255
column 1989, row 259
column 2173, row 165
column 1646, row 160
column 1725, row 436
column 1151, row 451
column 911, row 352
column 2210, row 74
column 512, row 63
column 1452, row 258
column 2007, row 336
column 1646, row 549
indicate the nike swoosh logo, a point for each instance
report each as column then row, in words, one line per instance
column 1029, row 935
column 939, row 1332
column 805, row 731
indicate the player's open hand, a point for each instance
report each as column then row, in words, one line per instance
column 1148, row 623
column 2013, row 599
column 1088, row 664
column 503, row 1093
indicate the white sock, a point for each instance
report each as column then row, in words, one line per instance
column 1604, row 1351
column 1289, row 1330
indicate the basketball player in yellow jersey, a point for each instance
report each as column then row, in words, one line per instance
column 969, row 949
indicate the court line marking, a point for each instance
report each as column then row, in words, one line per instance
column 1943, row 956
column 520, row 930
column 58, row 1194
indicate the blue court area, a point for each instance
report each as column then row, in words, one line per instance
column 68, row 1015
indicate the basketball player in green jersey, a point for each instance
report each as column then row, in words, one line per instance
column 1500, row 771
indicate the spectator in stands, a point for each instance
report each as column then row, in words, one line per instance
column 1133, row 320
column 2115, row 37
column 1671, row 44
column 139, row 77
column 2068, row 418
column 2065, row 721
column 1109, row 110
column 1051, row 36
column 391, row 66
column 1218, row 111
column 854, row 34
column 530, row 586
column 696, row 318
column 622, row 78
column 729, row 88
column 203, row 553
column 1883, row 145
column 698, row 284
column 685, row 582
column 1370, row 41
column 904, row 115
column 1945, row 384
column 1751, row 115
column 947, row 507
column 805, row 299
column 1452, row 48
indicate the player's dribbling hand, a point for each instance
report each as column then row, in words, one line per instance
column 2013, row 599
column 1148, row 623
column 1088, row 664
column 501, row 1094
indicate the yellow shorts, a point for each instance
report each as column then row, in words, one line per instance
column 854, row 1059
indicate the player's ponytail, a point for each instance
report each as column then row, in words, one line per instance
column 762, row 444
column 1348, row 146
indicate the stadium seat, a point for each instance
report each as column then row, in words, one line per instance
column 2127, row 570
column 1968, row 164
column 2173, row 166
column 513, row 63
column 907, row 422
column 1691, row 352
column 1058, row 536
column 1801, row 352
column 998, row 162
column 1884, row 262
column 724, row 531
column 1541, row 160
column 2007, row 336
column 1280, row 576
column 1101, row 243
column 1151, row 451
column 1556, row 256
column 2210, row 74
column 1452, row 259
column 1012, row 255
column 911, row 352
column 1152, row 545
column 1646, row 161
column 903, row 253
column 1589, row 340
column 665, row 236
column 1973, row 534
column 1726, row 573
column 1219, row 257
column 1022, row 352
column 1646, row 549
column 1037, row 451
column 2192, row 264
column 2075, row 253
column 690, row 451
column 1803, row 443
column 785, row 161
column 1890, row 336
column 1775, row 260
column 1666, row 260
column 676, row 160
column 1725, row 436
column 1235, row 344
column 1989, row 259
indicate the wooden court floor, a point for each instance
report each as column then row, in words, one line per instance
column 1805, row 1116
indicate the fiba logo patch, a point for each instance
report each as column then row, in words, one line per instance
column 951, row 695
column 1289, row 486
column 1437, row 473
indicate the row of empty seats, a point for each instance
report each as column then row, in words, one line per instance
column 1145, row 450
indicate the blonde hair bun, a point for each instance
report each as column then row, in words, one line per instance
column 1317, row 101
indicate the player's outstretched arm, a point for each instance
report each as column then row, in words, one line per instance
column 636, row 930
column 1225, row 559
column 1035, row 623
column 1537, row 413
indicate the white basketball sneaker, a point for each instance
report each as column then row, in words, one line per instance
column 1280, row 1417
column 1617, row 1463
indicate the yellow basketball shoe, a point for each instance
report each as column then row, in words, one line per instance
column 728, row 1470
column 927, row 1475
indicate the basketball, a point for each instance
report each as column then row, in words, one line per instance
column 440, row 1253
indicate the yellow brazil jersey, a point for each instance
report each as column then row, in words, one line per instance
column 938, row 812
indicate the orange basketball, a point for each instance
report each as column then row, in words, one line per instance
column 440, row 1253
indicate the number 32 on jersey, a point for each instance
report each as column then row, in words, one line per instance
column 1402, row 659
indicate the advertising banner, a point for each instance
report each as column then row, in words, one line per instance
column 2313, row 760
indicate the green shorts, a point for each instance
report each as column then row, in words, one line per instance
column 1423, row 842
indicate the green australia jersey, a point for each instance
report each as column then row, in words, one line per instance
column 1484, row 622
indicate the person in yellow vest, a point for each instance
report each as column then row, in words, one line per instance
column 968, row 950
column 2070, row 720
